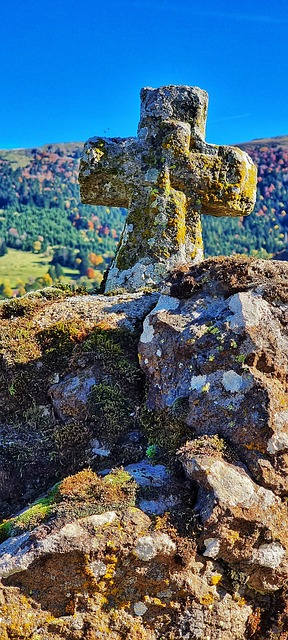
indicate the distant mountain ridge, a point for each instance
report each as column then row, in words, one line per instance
column 40, row 202
column 269, row 142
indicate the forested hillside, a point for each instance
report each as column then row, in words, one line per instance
column 265, row 231
column 41, row 212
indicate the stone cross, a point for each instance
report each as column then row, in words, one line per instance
column 166, row 178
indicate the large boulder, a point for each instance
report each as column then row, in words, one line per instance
column 114, row 572
column 244, row 524
column 219, row 344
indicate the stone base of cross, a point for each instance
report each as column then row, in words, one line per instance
column 166, row 178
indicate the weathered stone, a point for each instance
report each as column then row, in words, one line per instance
column 69, row 397
column 229, row 346
column 166, row 177
column 122, row 311
column 147, row 474
column 99, row 519
column 84, row 581
column 148, row 547
column 140, row 608
column 197, row 623
column 98, row 568
column 237, row 515
column 17, row 554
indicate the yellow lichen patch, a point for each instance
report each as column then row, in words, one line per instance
column 162, row 522
column 240, row 600
column 232, row 536
column 111, row 561
column 215, row 578
column 153, row 600
column 207, row 599
column 255, row 446
column 98, row 151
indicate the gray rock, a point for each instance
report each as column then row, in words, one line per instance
column 149, row 475
column 237, row 513
column 230, row 359
column 69, row 397
column 148, row 547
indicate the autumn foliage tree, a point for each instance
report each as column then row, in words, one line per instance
column 95, row 259
column 90, row 273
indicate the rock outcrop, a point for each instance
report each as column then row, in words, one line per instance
column 186, row 537
column 70, row 388
column 226, row 326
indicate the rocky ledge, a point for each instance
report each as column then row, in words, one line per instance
column 148, row 435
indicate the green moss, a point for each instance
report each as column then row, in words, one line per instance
column 17, row 343
column 111, row 411
column 115, row 348
column 50, row 497
column 80, row 495
column 105, row 343
column 152, row 451
column 208, row 446
column 116, row 292
column 5, row 530
column 18, row 307
column 69, row 442
column 86, row 493
column 168, row 431
column 213, row 330
column 39, row 512
column 58, row 340
column 117, row 477
column 241, row 358
column 31, row 518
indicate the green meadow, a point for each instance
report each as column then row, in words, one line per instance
column 22, row 265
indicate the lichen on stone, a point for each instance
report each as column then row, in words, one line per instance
column 166, row 177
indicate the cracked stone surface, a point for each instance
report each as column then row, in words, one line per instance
column 228, row 342
column 237, row 515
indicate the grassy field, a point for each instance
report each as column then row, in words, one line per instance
column 22, row 265
column 16, row 157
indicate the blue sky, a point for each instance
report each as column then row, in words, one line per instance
column 71, row 69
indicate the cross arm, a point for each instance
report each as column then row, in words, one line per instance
column 107, row 171
column 233, row 191
column 220, row 182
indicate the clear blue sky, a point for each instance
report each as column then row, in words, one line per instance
column 71, row 69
